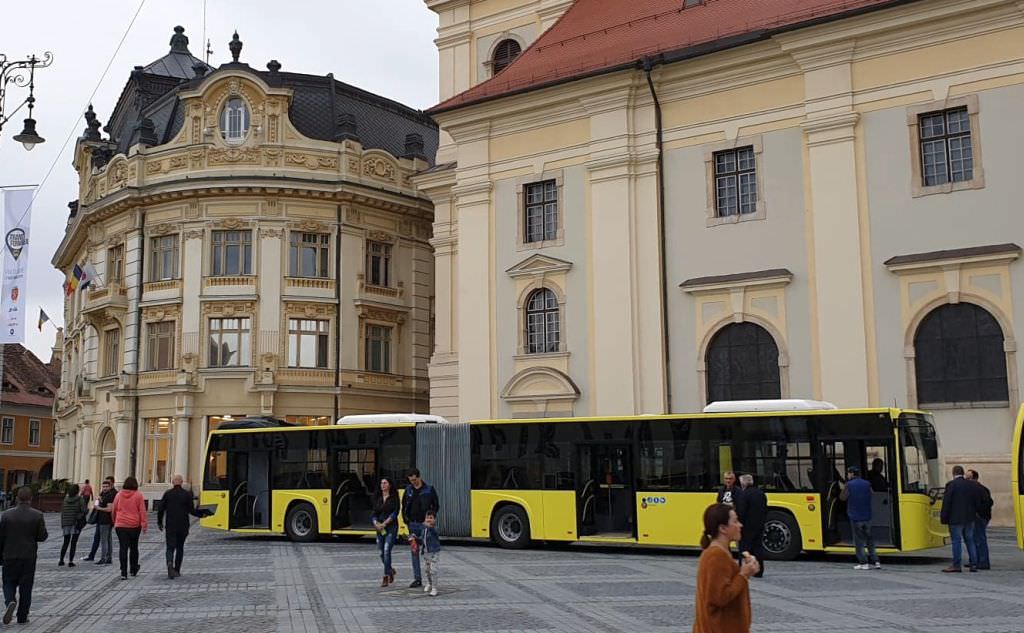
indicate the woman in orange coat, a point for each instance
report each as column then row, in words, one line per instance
column 723, row 595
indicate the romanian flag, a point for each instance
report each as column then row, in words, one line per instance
column 81, row 277
column 71, row 285
column 43, row 318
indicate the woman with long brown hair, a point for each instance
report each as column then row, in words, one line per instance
column 723, row 595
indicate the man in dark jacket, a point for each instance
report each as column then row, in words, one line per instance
column 176, row 506
column 22, row 528
column 857, row 495
column 752, row 510
column 419, row 499
column 961, row 502
column 981, row 522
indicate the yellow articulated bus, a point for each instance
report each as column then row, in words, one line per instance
column 1017, row 477
column 617, row 480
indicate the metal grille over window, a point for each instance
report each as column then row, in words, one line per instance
column 378, row 348
column 542, row 323
column 735, row 182
column 229, row 342
column 308, row 343
column 504, row 54
column 541, row 211
column 743, row 364
column 959, row 357
column 234, row 121
column 232, row 253
column 946, row 152
column 309, row 254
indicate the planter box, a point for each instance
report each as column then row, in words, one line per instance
column 49, row 502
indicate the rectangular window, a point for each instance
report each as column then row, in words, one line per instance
column 735, row 182
column 34, row 432
column 232, row 253
column 7, row 431
column 378, row 264
column 115, row 264
column 158, row 449
column 229, row 342
column 541, row 211
column 309, row 254
column 308, row 342
column 160, row 345
column 163, row 258
column 378, row 348
column 111, row 352
column 946, row 152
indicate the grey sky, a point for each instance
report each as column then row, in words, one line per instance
column 384, row 46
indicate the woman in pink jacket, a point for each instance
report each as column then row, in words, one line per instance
column 129, row 516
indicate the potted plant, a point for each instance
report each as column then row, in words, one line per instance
column 49, row 495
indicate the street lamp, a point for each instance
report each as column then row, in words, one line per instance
column 14, row 72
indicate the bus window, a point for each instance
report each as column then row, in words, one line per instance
column 397, row 448
column 504, row 458
column 554, row 444
column 216, row 476
column 777, row 451
column 920, row 469
column 674, row 456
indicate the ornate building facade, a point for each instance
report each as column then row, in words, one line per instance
column 258, row 249
column 656, row 205
column 26, row 414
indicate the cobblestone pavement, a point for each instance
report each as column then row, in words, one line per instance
column 256, row 584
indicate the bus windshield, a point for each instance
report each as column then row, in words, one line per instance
column 920, row 445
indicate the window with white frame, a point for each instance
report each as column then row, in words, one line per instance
column 232, row 253
column 111, row 352
column 378, row 264
column 7, row 431
column 378, row 348
column 946, row 147
column 541, row 213
column 158, row 450
column 308, row 341
column 542, row 322
column 160, row 345
column 234, row 121
column 229, row 342
column 115, row 263
column 309, row 254
column 735, row 182
column 163, row 258
column 34, row 432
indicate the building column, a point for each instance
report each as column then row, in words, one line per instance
column 86, row 439
column 57, row 445
column 181, row 447
column 122, row 457
column 76, row 455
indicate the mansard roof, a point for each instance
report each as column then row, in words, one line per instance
column 26, row 379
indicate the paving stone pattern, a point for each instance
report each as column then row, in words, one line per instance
column 254, row 585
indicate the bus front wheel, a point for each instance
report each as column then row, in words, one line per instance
column 510, row 527
column 781, row 537
column 300, row 524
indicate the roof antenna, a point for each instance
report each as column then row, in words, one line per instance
column 209, row 51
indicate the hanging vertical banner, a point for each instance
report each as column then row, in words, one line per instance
column 17, row 218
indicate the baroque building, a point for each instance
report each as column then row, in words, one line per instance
column 26, row 414
column 642, row 207
column 256, row 247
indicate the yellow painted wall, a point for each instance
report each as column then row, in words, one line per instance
column 537, row 141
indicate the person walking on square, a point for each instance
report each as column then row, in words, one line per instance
column 130, row 521
column 419, row 499
column 722, row 603
column 72, row 520
column 728, row 492
column 97, row 532
column 22, row 528
column 982, row 521
column 104, row 525
column 176, row 505
column 87, row 491
column 961, row 502
column 752, row 510
column 857, row 495
column 385, row 521
column 431, row 552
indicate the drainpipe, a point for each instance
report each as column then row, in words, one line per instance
column 138, row 339
column 648, row 65
column 337, row 326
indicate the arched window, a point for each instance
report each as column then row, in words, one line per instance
column 542, row 328
column 108, row 452
column 234, row 121
column 504, row 54
column 959, row 356
column 743, row 364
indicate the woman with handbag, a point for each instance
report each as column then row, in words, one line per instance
column 72, row 520
column 385, row 521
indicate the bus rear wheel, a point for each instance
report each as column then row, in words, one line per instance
column 781, row 537
column 300, row 524
column 510, row 527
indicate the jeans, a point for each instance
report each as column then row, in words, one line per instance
column 95, row 542
column 963, row 532
column 981, row 542
column 72, row 541
column 862, row 536
column 128, row 542
column 416, row 530
column 430, row 563
column 106, row 546
column 19, row 575
column 385, row 543
column 175, row 547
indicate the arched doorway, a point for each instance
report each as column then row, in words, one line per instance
column 46, row 472
column 108, row 454
column 743, row 364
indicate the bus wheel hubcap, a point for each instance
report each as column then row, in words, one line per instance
column 510, row 528
column 302, row 523
column 777, row 537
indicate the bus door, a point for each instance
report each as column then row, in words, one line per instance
column 606, row 496
column 249, row 483
column 355, row 481
column 874, row 459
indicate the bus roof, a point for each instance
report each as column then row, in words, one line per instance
column 894, row 412
column 388, row 418
column 321, row 427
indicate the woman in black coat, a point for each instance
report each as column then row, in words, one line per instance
column 385, row 521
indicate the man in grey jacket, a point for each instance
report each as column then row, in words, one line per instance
column 22, row 528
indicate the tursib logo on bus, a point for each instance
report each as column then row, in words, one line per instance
column 645, row 501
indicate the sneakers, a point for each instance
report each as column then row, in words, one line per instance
column 878, row 565
column 861, row 567
column 427, row 587
column 433, row 591
column 415, row 583
column 71, row 564
column 9, row 611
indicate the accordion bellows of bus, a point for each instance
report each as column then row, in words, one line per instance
column 637, row 480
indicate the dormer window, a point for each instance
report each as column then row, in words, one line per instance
column 504, row 54
column 234, row 121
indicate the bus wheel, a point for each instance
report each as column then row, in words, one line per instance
column 300, row 524
column 781, row 537
column 510, row 527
